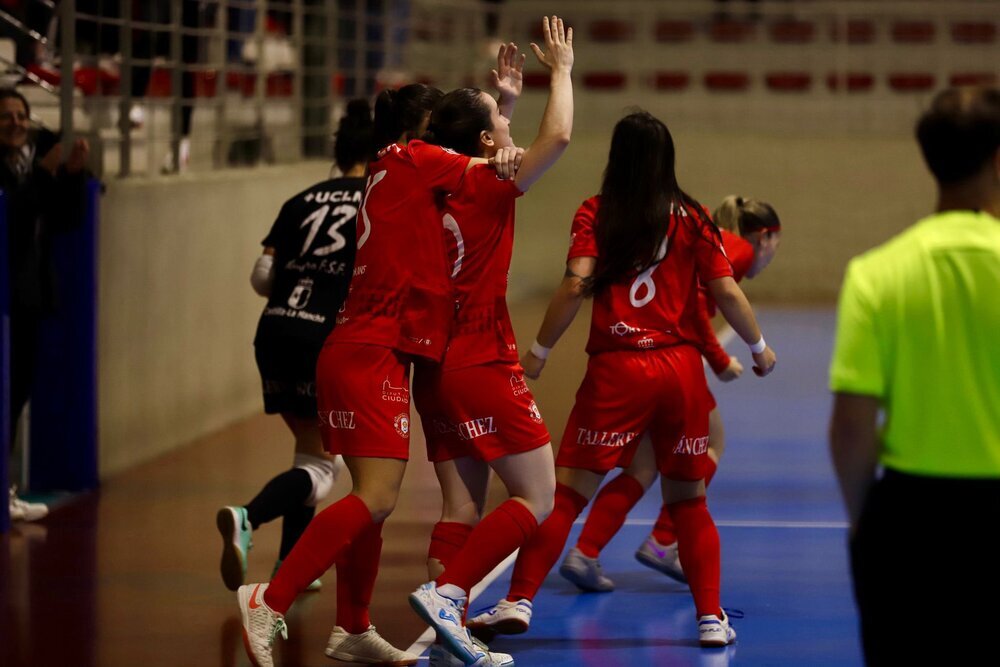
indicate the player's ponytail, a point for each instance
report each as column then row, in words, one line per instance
column 353, row 142
column 400, row 114
column 745, row 216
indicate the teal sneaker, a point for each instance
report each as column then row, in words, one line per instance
column 314, row 586
column 236, row 531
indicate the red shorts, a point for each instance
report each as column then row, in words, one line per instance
column 625, row 394
column 481, row 411
column 363, row 397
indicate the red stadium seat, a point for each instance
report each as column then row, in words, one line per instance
column 280, row 84
column 791, row 31
column 788, row 82
column 338, row 83
column 973, row 79
column 974, row 33
column 611, row 31
column 727, row 81
column 160, row 84
column 674, row 31
column 854, row 31
column 852, row 82
column 604, row 80
column 909, row 82
column 206, row 83
column 110, row 83
column 87, row 79
column 665, row 80
column 536, row 80
column 913, row 32
column 728, row 31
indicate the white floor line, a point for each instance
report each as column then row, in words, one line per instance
column 426, row 639
column 749, row 524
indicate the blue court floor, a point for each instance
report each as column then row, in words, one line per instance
column 784, row 558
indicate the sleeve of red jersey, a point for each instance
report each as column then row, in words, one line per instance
column 708, row 342
column 441, row 168
column 740, row 253
column 710, row 258
column 484, row 178
column 583, row 243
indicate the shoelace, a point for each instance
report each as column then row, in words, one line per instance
column 279, row 626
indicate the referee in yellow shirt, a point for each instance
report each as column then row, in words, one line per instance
column 916, row 382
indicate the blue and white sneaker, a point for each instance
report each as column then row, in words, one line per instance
column 503, row 618
column 585, row 572
column 714, row 631
column 444, row 614
column 439, row 657
column 236, row 543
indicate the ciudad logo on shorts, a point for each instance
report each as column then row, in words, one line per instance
column 402, row 425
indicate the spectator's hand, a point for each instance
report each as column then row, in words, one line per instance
column 507, row 161
column 78, row 156
column 50, row 161
column 532, row 365
column 764, row 362
column 558, row 43
column 508, row 77
column 733, row 371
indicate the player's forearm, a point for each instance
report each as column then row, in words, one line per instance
column 733, row 304
column 554, row 133
column 561, row 312
column 854, row 449
column 506, row 105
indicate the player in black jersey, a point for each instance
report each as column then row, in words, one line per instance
column 305, row 271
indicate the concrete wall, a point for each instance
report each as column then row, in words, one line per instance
column 176, row 311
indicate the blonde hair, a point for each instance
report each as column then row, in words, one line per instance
column 743, row 216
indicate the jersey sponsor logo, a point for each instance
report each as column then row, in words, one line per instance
column 645, row 343
column 518, row 385
column 300, row 295
column 334, row 196
column 586, row 436
column 692, row 446
column 474, row 428
column 420, row 341
column 401, row 423
column 360, row 270
column 623, row 329
column 534, row 413
column 339, row 419
column 330, row 267
column 394, row 394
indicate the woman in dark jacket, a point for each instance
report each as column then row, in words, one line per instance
column 43, row 196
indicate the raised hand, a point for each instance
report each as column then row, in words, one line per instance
column 558, row 45
column 508, row 77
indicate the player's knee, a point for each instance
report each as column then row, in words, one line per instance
column 541, row 505
column 380, row 502
column 466, row 512
column 322, row 472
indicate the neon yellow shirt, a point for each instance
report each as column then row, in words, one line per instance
column 918, row 327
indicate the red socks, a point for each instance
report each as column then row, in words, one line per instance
column 606, row 517
column 541, row 552
column 357, row 570
column 324, row 542
column 663, row 530
column 496, row 537
column 698, row 549
column 447, row 539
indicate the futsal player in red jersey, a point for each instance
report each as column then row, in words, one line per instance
column 750, row 250
column 639, row 248
column 477, row 411
column 399, row 308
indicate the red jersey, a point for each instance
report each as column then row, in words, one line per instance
column 479, row 232
column 740, row 254
column 659, row 306
column 400, row 293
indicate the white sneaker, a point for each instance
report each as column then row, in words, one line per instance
column 585, row 572
column 22, row 510
column 715, row 631
column 503, row 618
column 367, row 648
column 444, row 614
column 661, row 558
column 439, row 657
column 261, row 624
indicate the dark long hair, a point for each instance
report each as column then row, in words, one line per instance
column 637, row 194
column 458, row 120
column 403, row 110
column 353, row 143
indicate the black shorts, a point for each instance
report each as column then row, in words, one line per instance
column 288, row 375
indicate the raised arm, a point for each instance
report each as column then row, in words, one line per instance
column 736, row 309
column 508, row 78
column 562, row 310
column 557, row 120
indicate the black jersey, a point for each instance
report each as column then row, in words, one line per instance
column 314, row 241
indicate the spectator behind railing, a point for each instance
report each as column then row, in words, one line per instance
column 44, row 196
